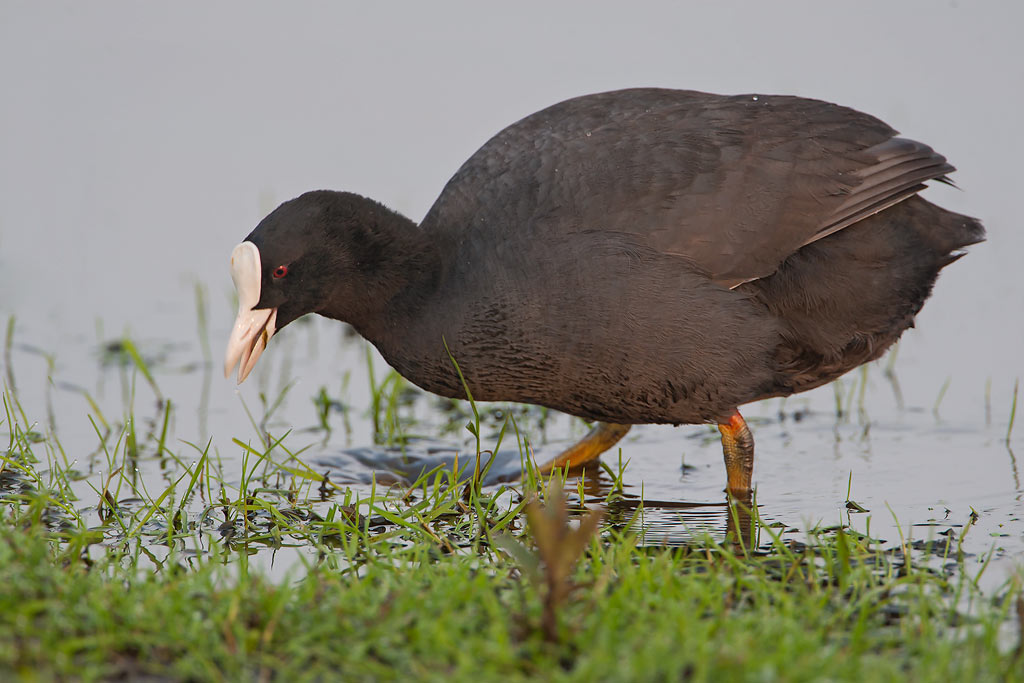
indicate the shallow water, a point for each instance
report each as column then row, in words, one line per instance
column 137, row 146
column 920, row 475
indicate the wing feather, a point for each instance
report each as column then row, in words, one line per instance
column 735, row 184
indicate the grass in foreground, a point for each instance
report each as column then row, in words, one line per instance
column 836, row 609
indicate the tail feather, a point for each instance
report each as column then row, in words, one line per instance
column 945, row 231
column 891, row 260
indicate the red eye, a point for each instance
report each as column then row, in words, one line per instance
column 280, row 271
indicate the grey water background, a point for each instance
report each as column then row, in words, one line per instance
column 140, row 142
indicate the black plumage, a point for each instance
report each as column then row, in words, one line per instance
column 637, row 256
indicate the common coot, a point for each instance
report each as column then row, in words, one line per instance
column 637, row 256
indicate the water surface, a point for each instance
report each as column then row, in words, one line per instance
column 139, row 144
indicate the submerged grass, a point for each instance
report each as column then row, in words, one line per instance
column 439, row 580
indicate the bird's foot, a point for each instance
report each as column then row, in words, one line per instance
column 600, row 438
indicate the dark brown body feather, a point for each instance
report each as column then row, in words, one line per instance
column 645, row 256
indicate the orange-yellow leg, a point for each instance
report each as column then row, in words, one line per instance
column 738, row 448
column 600, row 438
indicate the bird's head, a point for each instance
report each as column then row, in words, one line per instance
column 323, row 252
column 280, row 273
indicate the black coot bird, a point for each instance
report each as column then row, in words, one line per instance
column 638, row 256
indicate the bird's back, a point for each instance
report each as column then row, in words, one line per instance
column 735, row 184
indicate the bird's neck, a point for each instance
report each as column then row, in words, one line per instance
column 397, row 266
